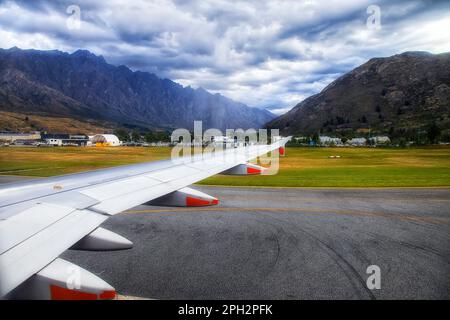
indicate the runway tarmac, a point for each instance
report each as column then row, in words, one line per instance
column 284, row 244
column 270, row 243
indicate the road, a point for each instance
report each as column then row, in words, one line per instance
column 269, row 243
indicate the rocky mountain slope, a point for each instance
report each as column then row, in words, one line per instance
column 84, row 86
column 395, row 95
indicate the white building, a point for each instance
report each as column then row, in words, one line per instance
column 228, row 142
column 357, row 142
column 329, row 140
column 381, row 139
column 301, row 139
column 222, row 139
column 105, row 140
column 54, row 142
column 13, row 136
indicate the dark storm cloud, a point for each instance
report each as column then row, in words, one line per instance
column 268, row 54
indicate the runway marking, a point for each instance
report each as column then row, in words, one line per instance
column 341, row 198
column 395, row 188
column 306, row 210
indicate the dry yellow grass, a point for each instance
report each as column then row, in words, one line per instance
column 55, row 161
column 11, row 121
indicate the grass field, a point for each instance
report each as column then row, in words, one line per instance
column 302, row 167
column 46, row 162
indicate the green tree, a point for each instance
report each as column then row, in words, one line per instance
column 433, row 132
column 315, row 138
column 163, row 136
column 150, row 137
column 445, row 135
column 402, row 142
column 136, row 136
column 122, row 134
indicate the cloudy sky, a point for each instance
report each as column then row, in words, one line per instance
column 268, row 54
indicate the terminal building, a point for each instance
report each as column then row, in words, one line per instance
column 10, row 137
column 61, row 139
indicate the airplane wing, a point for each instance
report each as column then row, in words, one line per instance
column 41, row 219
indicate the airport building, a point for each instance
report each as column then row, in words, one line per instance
column 61, row 139
column 381, row 139
column 105, row 140
column 357, row 142
column 325, row 140
column 9, row 137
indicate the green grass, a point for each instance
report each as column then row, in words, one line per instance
column 344, row 177
column 357, row 167
column 302, row 167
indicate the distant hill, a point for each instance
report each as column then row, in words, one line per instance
column 11, row 121
column 83, row 86
column 397, row 95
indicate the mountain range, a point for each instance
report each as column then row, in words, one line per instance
column 399, row 95
column 84, row 86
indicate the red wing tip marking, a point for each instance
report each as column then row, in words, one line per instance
column 196, row 202
column 251, row 170
column 107, row 295
column 60, row 293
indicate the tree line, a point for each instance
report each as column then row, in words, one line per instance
column 420, row 136
column 138, row 136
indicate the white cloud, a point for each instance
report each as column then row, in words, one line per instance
column 270, row 53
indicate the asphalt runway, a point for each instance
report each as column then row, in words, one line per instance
column 284, row 244
column 268, row 243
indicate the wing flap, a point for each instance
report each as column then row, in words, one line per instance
column 73, row 199
column 130, row 192
column 119, row 188
column 145, row 193
column 29, row 257
column 174, row 173
column 25, row 224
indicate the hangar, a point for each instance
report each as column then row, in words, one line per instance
column 105, row 140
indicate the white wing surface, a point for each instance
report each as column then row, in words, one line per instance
column 41, row 219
